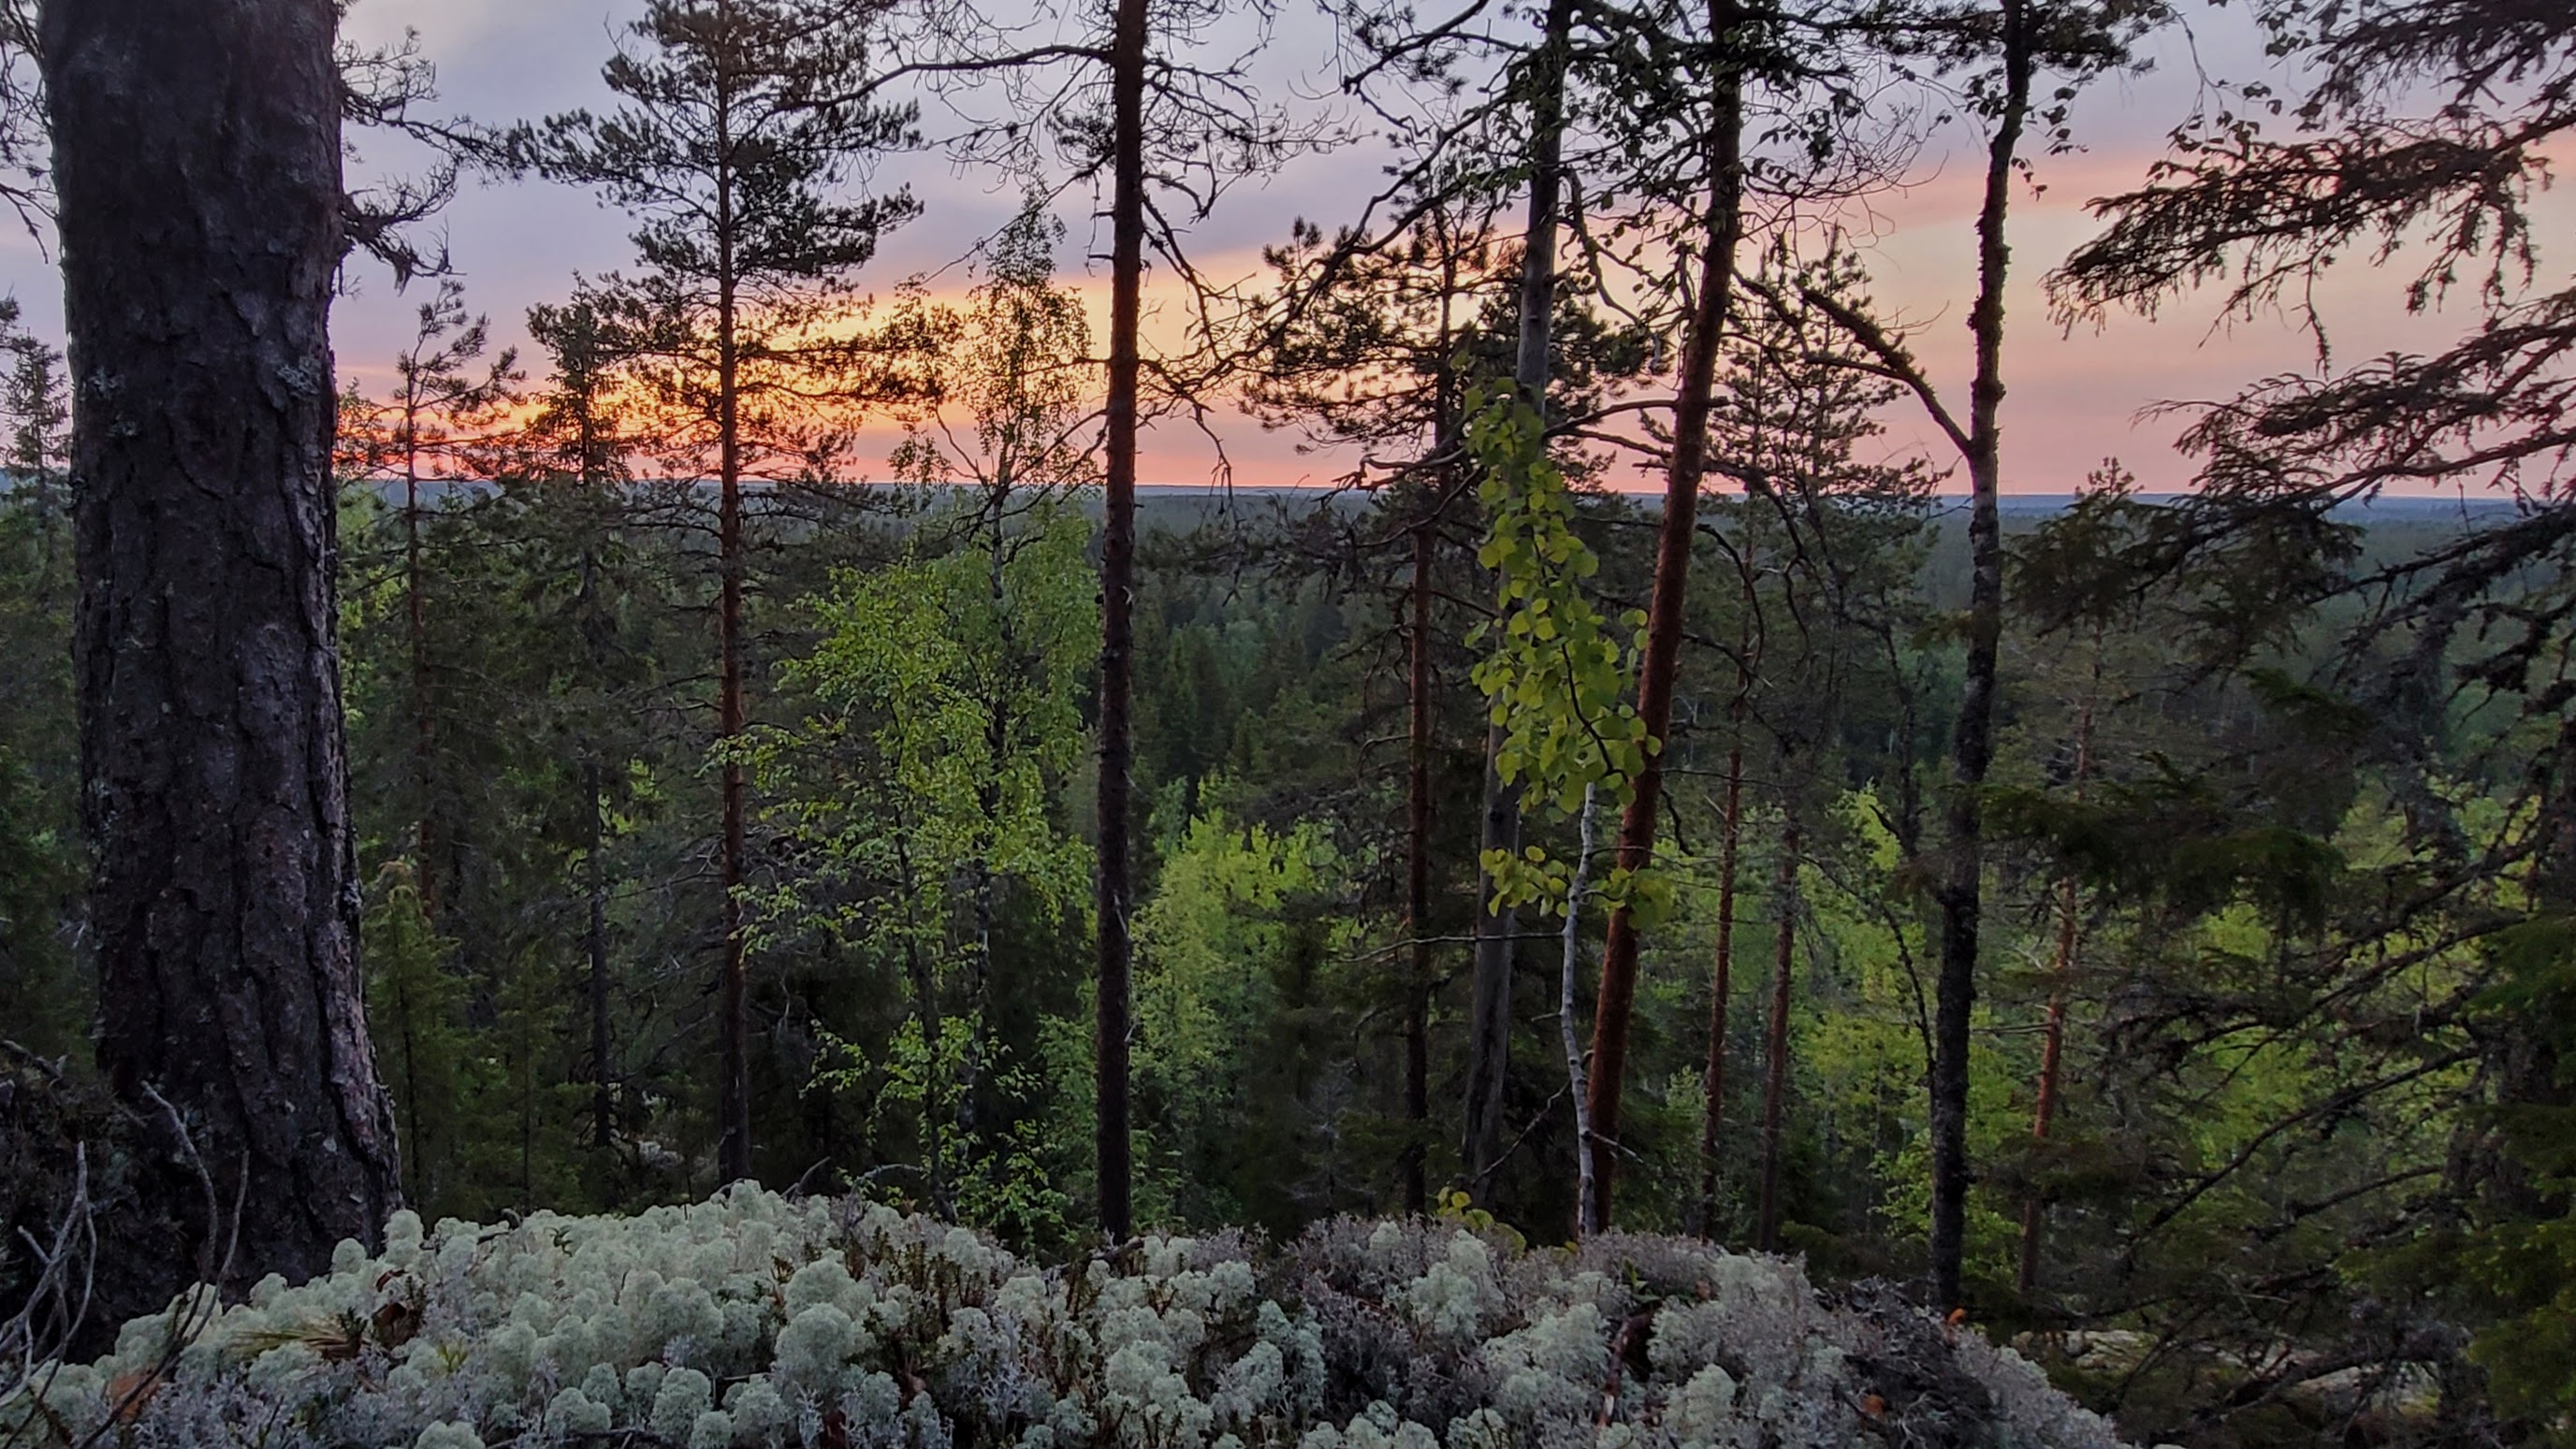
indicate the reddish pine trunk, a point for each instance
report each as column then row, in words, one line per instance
column 1117, row 606
column 197, row 162
column 2053, row 1041
column 1665, row 623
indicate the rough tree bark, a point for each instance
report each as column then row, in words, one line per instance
column 1117, row 608
column 1665, row 624
column 197, row 160
column 1489, row 1039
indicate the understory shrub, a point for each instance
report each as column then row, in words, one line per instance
column 760, row 1320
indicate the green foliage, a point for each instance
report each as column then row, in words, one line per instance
column 2313, row 1105
column 424, row 1049
column 1233, row 949
column 40, row 998
column 964, row 671
column 1221, row 954
column 921, row 797
column 481, row 1106
column 1556, row 677
column 1012, row 362
column 43, row 998
column 2526, row 1262
column 1455, row 1206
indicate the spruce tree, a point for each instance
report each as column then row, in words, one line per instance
column 441, row 419
column 2424, row 133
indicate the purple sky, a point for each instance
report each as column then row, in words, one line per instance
column 2073, row 400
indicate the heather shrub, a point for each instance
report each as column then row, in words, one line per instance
column 759, row 1320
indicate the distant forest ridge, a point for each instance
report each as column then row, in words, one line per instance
column 2386, row 508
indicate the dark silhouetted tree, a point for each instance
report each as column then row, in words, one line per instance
column 197, row 161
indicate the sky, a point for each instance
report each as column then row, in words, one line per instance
column 2073, row 398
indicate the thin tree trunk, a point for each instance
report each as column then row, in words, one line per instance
column 733, row 1090
column 2053, row 1040
column 1775, row 1060
column 988, row 800
column 197, row 165
column 1117, row 604
column 414, row 1165
column 603, row 1102
column 527, row 1113
column 1586, row 1159
column 603, row 1113
column 970, row 1063
column 1665, row 623
column 1961, row 887
column 925, row 989
column 1417, row 881
column 1489, row 1040
column 416, row 630
column 1532, row 356
column 1721, row 985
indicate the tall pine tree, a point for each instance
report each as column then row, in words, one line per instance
column 741, row 128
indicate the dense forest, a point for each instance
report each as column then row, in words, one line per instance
column 1644, row 804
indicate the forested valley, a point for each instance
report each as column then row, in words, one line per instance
column 719, row 863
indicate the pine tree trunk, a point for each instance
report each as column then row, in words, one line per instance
column 988, row 801
column 603, row 1114
column 1417, row 880
column 414, row 1175
column 1587, row 1158
column 733, row 1087
column 197, row 162
column 1775, row 1058
column 1721, row 985
column 424, row 781
column 925, row 992
column 1117, row 606
column 527, row 1075
column 2052, row 1046
column 1960, row 890
column 1489, row 1041
column 603, row 1102
column 1665, row 621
